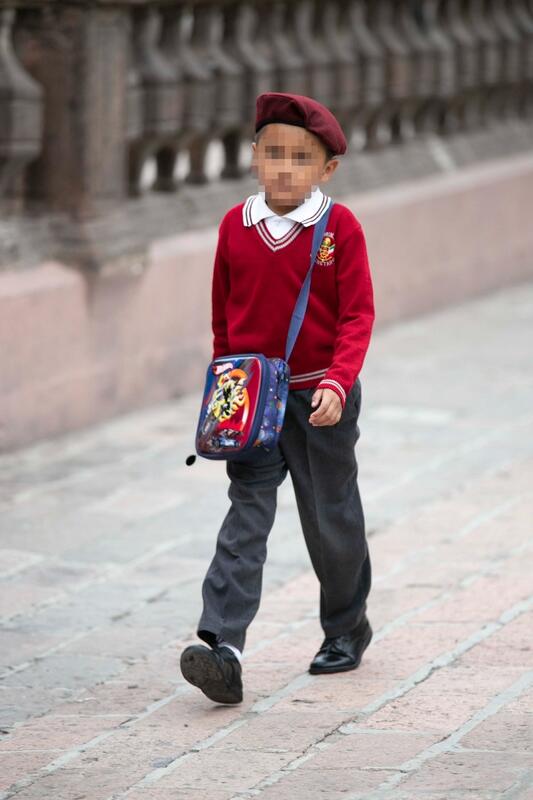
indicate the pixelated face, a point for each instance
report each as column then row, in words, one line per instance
column 289, row 162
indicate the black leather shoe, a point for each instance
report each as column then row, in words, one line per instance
column 341, row 653
column 216, row 671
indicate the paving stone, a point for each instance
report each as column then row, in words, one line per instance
column 444, row 701
column 15, row 561
column 123, row 642
column 282, row 731
column 510, row 646
column 16, row 766
column 523, row 703
column 485, row 598
column 445, row 794
column 505, row 731
column 187, row 721
column 337, row 783
column 264, row 679
column 21, row 597
column 65, row 672
column 57, row 733
column 349, row 692
column 370, row 750
column 125, row 696
column 180, row 794
column 407, row 648
column 200, row 770
column 20, row 702
column 44, row 526
column 468, row 771
column 21, row 644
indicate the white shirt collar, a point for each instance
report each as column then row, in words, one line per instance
column 307, row 213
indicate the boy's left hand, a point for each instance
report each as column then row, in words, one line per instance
column 330, row 409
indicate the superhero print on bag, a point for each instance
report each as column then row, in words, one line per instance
column 234, row 389
column 227, row 407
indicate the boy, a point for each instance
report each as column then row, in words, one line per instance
column 260, row 264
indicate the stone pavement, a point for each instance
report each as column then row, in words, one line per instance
column 105, row 536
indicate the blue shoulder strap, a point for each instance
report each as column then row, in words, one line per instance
column 303, row 298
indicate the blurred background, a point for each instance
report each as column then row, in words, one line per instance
column 125, row 132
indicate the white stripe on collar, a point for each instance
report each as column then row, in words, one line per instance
column 307, row 213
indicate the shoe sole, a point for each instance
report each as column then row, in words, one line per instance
column 199, row 668
column 348, row 667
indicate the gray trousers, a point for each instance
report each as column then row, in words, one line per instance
column 323, row 468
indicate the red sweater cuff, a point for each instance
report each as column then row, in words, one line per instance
column 328, row 383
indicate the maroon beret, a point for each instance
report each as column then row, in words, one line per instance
column 296, row 109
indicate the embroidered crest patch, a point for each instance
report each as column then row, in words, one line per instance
column 326, row 251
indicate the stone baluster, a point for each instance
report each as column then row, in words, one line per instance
column 169, row 46
column 79, row 55
column 445, row 80
column 524, row 22
column 290, row 65
column 310, row 44
column 466, row 99
column 333, row 25
column 400, row 79
column 242, row 40
column 262, row 45
column 509, row 38
column 21, row 117
column 159, row 85
column 134, row 106
column 201, row 46
column 371, row 66
column 489, row 58
column 199, row 92
column 233, row 114
column 423, row 62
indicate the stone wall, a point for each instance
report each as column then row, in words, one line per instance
column 77, row 351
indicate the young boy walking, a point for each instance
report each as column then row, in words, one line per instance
column 261, row 262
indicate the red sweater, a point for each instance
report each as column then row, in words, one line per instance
column 255, row 287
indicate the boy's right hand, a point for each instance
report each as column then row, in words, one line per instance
column 329, row 409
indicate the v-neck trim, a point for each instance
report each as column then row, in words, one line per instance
column 278, row 244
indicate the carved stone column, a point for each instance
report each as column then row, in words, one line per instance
column 232, row 115
column 523, row 18
column 241, row 21
column 423, row 62
column 399, row 83
column 159, row 80
column 290, row 66
column 79, row 57
column 466, row 100
column 226, row 110
column 308, row 39
column 489, row 58
column 335, row 35
column 169, row 46
column 200, row 94
column 21, row 116
column 444, row 86
column 509, row 41
column 370, row 64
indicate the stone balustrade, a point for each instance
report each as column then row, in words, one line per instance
column 94, row 93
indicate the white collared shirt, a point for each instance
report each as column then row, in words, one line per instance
column 307, row 213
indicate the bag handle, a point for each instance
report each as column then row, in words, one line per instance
column 303, row 298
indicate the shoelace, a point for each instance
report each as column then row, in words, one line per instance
column 329, row 644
